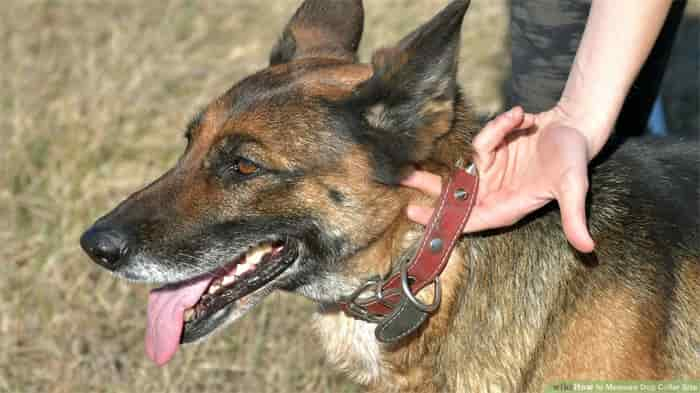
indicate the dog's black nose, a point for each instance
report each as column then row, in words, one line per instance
column 105, row 246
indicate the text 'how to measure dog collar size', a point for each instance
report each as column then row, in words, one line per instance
column 392, row 302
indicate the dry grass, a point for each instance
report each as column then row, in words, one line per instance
column 94, row 95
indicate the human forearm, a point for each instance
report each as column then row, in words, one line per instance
column 617, row 40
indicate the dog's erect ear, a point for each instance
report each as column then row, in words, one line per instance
column 321, row 28
column 411, row 96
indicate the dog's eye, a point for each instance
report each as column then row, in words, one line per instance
column 243, row 167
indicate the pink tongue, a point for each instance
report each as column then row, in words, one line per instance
column 166, row 309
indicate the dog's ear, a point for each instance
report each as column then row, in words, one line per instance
column 321, row 28
column 410, row 98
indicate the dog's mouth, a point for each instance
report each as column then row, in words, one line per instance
column 187, row 311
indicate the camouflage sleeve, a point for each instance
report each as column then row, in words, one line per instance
column 544, row 37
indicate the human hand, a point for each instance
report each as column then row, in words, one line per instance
column 524, row 162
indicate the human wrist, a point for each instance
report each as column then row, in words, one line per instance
column 591, row 103
column 595, row 124
column 616, row 41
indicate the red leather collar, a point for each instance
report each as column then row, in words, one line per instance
column 449, row 218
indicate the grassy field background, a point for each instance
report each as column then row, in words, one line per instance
column 93, row 99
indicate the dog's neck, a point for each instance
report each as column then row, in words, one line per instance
column 350, row 343
column 481, row 270
column 489, row 298
column 401, row 239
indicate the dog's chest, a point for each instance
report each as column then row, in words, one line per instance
column 350, row 345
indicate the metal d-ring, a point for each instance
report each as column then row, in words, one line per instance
column 356, row 305
column 437, row 297
column 471, row 169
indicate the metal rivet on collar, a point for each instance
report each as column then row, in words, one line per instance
column 461, row 194
column 436, row 245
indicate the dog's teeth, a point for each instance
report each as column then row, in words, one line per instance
column 228, row 280
column 189, row 314
column 214, row 288
column 255, row 255
column 244, row 268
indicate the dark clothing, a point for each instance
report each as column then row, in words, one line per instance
column 544, row 37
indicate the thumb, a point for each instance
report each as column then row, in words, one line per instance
column 572, row 204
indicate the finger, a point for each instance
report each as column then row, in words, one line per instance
column 484, row 218
column 419, row 214
column 496, row 130
column 425, row 181
column 572, row 204
column 528, row 121
column 499, row 212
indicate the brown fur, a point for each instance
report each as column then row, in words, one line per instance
column 520, row 308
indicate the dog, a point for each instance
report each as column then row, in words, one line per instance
column 290, row 182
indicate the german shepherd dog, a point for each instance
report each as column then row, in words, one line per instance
column 290, row 181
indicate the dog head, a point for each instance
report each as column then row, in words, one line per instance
column 290, row 175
